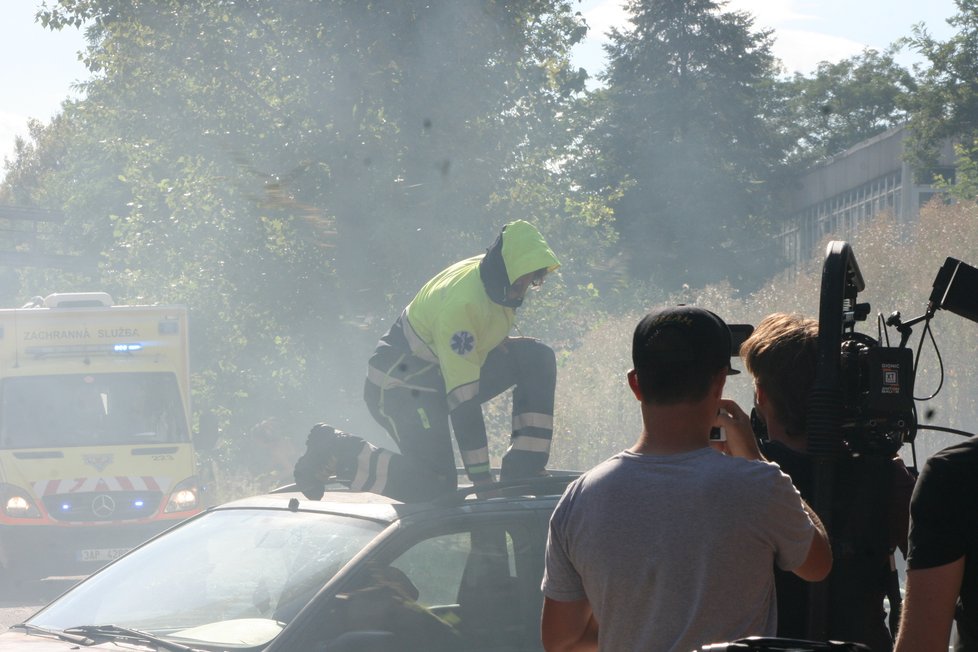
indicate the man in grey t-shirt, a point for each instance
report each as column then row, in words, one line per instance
column 671, row 545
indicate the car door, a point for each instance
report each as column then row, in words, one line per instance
column 466, row 583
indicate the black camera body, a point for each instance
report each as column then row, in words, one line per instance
column 862, row 401
column 878, row 413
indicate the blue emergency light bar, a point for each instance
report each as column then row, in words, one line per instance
column 137, row 504
column 68, row 350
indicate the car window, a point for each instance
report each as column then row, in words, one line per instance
column 435, row 567
column 473, row 587
column 227, row 576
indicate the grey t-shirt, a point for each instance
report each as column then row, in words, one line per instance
column 676, row 551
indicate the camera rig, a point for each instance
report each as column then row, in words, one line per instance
column 862, row 401
column 861, row 404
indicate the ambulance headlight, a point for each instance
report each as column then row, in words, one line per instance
column 184, row 497
column 16, row 503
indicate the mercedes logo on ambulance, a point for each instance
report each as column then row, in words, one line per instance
column 103, row 506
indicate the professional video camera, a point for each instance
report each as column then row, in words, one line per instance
column 862, row 402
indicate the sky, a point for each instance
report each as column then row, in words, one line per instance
column 40, row 67
column 806, row 32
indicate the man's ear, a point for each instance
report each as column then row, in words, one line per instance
column 762, row 404
column 719, row 381
column 633, row 383
column 761, row 399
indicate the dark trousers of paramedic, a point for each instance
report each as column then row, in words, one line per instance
column 418, row 421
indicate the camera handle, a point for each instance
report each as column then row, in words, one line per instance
column 837, row 313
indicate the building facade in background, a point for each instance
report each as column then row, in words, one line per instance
column 841, row 195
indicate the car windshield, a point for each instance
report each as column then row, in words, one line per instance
column 230, row 577
column 91, row 409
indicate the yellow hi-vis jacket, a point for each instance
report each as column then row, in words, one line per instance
column 454, row 322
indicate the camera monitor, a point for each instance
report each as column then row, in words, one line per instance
column 956, row 289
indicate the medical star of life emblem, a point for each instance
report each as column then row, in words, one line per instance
column 463, row 342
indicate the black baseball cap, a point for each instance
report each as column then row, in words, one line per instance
column 682, row 335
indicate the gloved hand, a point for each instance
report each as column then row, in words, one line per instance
column 321, row 439
column 310, row 477
column 314, row 468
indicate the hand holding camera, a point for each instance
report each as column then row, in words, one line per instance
column 734, row 424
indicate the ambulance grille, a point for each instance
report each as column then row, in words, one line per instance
column 102, row 505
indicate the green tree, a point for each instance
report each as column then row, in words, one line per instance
column 683, row 135
column 844, row 103
column 946, row 104
column 294, row 171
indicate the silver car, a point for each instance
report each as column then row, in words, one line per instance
column 351, row 572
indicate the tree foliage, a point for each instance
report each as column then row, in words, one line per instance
column 844, row 103
column 946, row 105
column 682, row 133
column 294, row 171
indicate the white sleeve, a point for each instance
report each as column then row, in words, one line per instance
column 792, row 529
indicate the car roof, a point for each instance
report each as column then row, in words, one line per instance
column 338, row 499
column 349, row 503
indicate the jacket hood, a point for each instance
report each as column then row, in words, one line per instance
column 519, row 249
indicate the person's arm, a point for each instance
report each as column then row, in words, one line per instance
column 938, row 545
column 456, row 344
column 741, row 442
column 928, row 608
column 818, row 563
column 568, row 626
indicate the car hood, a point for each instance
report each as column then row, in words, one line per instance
column 18, row 641
column 10, row 641
column 246, row 631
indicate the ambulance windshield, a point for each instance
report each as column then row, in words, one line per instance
column 91, row 410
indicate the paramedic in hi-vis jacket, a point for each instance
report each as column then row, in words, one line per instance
column 446, row 354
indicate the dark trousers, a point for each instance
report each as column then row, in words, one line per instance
column 417, row 418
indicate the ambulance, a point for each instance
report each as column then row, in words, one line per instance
column 95, row 432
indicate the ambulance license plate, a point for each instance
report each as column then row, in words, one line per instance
column 101, row 554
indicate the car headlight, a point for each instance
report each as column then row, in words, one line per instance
column 183, row 497
column 17, row 503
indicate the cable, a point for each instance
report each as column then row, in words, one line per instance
column 953, row 431
column 940, row 360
